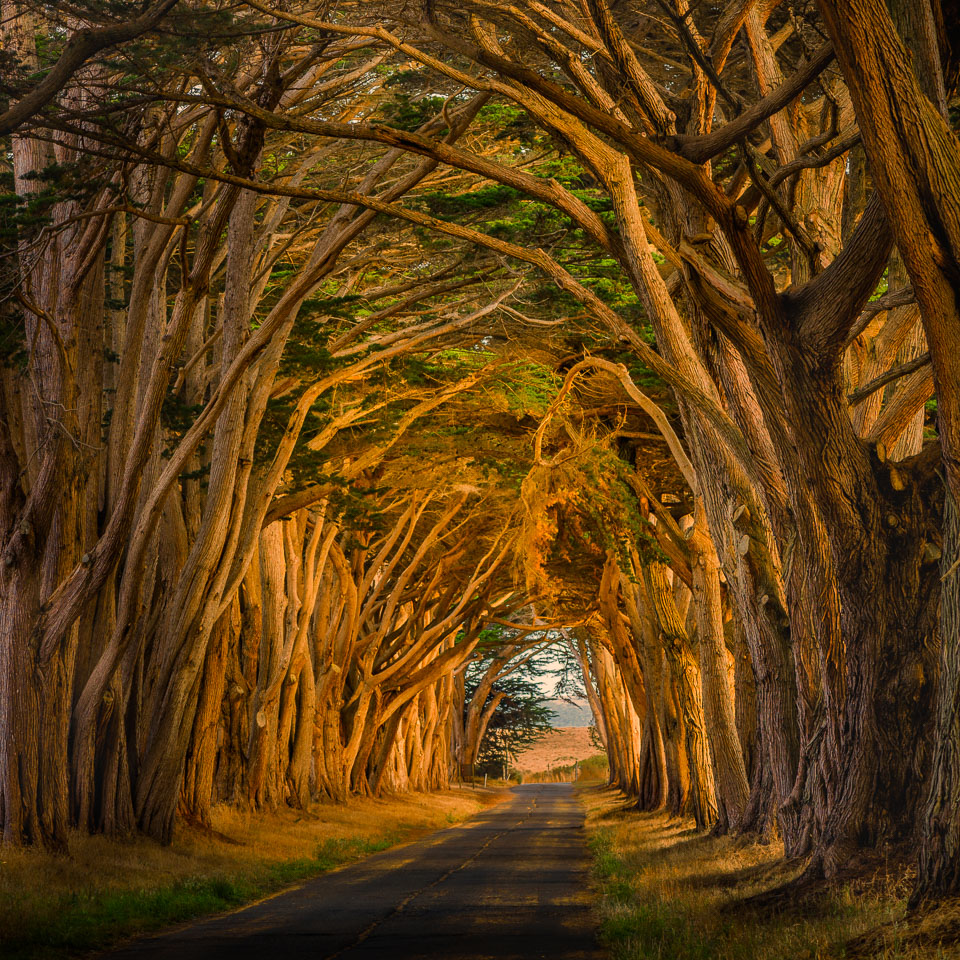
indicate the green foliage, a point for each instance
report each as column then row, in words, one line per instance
column 882, row 287
column 522, row 716
column 402, row 79
column 176, row 416
column 511, row 122
column 25, row 213
column 445, row 204
column 595, row 510
column 358, row 509
column 407, row 112
column 527, row 387
column 490, row 640
column 442, row 366
column 13, row 351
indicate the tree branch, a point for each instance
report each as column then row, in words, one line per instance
column 828, row 307
column 899, row 298
column 83, row 45
column 701, row 149
column 894, row 373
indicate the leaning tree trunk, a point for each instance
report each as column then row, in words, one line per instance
column 733, row 789
column 914, row 161
column 197, row 793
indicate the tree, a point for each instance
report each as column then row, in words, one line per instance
column 901, row 104
column 89, row 37
column 520, row 717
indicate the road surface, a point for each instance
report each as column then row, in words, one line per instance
column 511, row 883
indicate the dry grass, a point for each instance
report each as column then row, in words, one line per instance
column 104, row 890
column 593, row 769
column 931, row 932
column 556, row 748
column 669, row 893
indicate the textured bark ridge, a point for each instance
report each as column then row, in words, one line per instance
column 939, row 853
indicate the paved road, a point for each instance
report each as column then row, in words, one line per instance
column 510, row 884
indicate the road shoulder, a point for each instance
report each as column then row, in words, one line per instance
column 105, row 891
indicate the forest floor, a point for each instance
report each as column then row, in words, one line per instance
column 666, row 891
column 104, row 890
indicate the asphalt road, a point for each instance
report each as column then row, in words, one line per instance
column 510, row 883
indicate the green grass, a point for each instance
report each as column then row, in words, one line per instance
column 589, row 769
column 636, row 928
column 71, row 923
column 105, row 889
column 666, row 892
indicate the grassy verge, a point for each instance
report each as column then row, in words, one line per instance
column 589, row 770
column 668, row 893
column 106, row 890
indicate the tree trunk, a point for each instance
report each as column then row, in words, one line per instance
column 686, row 675
column 938, row 868
column 732, row 787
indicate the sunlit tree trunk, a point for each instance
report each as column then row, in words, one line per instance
column 719, row 713
column 685, row 671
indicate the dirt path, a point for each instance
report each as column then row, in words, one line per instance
column 511, row 883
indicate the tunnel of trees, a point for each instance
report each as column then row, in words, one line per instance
column 349, row 347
